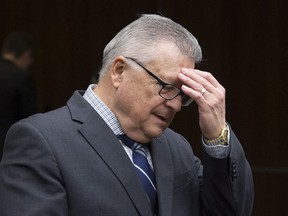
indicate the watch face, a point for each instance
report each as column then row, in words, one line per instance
column 224, row 138
column 221, row 140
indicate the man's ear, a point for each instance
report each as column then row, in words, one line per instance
column 117, row 70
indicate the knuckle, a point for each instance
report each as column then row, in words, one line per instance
column 207, row 75
column 198, row 87
column 223, row 92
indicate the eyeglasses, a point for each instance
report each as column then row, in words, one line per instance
column 167, row 91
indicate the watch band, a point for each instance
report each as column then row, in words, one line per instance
column 222, row 139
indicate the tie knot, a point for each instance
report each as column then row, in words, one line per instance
column 132, row 144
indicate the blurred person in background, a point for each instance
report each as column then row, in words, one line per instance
column 17, row 91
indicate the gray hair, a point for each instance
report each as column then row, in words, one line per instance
column 139, row 39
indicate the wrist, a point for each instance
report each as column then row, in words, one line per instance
column 222, row 139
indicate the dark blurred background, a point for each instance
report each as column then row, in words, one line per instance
column 245, row 45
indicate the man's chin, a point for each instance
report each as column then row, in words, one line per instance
column 156, row 132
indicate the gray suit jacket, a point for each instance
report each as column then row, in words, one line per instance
column 69, row 162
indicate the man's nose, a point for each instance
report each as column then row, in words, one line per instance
column 175, row 103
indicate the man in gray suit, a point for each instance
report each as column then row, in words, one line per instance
column 75, row 160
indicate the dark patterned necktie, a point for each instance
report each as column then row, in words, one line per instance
column 143, row 169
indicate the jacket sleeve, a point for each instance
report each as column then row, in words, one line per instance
column 227, row 187
column 30, row 180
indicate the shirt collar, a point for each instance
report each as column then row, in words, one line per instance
column 101, row 108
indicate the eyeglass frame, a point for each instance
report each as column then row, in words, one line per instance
column 163, row 84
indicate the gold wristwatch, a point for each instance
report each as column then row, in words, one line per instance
column 221, row 140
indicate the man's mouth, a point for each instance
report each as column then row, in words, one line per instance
column 162, row 118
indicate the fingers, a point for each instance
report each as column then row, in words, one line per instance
column 195, row 81
column 209, row 95
column 200, row 79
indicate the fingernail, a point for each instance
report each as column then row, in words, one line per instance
column 184, row 70
column 181, row 75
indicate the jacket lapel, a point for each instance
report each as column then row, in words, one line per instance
column 107, row 146
column 163, row 168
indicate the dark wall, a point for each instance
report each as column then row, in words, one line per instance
column 244, row 45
